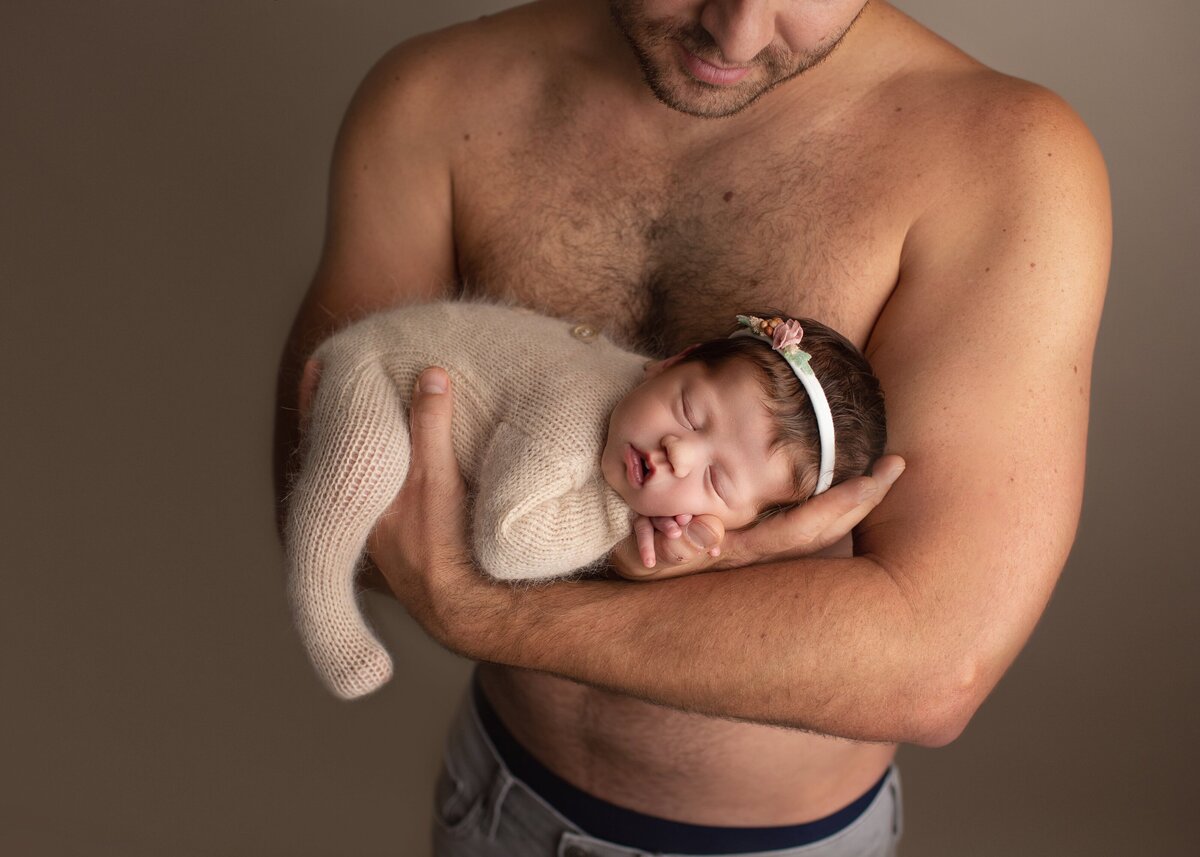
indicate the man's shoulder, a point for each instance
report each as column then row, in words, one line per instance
column 981, row 153
column 989, row 111
column 493, row 64
column 995, row 137
column 968, row 116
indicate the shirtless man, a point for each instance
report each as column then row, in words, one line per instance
column 829, row 157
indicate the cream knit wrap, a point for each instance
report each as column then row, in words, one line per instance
column 532, row 396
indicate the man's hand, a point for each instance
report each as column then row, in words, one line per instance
column 701, row 544
column 420, row 543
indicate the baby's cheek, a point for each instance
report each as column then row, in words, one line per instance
column 737, row 520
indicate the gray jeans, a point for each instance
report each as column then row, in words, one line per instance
column 482, row 810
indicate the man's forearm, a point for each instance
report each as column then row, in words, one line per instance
column 829, row 645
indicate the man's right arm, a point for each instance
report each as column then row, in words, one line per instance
column 389, row 226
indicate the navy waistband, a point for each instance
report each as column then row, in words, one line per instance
column 632, row 829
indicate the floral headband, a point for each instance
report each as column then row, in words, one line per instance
column 784, row 337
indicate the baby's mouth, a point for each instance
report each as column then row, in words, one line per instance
column 637, row 467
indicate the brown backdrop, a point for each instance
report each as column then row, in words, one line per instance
column 163, row 171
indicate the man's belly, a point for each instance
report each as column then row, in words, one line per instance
column 679, row 766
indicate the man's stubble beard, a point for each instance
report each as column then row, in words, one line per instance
column 650, row 40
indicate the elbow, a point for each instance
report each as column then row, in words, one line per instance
column 938, row 728
column 940, row 712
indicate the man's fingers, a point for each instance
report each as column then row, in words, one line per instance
column 888, row 469
column 431, row 413
column 826, row 518
column 434, row 483
column 883, row 478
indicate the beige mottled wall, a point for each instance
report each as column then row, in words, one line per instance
column 162, row 170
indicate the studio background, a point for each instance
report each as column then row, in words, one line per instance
column 162, row 189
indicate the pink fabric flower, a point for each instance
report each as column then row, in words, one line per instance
column 788, row 333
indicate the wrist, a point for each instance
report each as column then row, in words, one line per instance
column 476, row 621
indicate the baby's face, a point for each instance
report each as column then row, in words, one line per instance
column 691, row 440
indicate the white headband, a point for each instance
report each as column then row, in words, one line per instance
column 784, row 337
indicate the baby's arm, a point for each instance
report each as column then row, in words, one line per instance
column 541, row 512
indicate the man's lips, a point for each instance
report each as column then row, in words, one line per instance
column 706, row 72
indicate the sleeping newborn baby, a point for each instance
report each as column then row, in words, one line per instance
column 568, row 442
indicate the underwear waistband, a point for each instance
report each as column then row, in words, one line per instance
column 633, row 829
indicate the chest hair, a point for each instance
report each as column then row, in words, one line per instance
column 661, row 250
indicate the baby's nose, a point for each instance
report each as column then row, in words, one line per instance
column 679, row 455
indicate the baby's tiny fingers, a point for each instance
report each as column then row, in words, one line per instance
column 643, row 529
column 667, row 526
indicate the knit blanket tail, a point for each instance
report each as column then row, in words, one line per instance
column 357, row 458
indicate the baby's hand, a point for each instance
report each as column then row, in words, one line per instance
column 821, row 526
column 672, row 528
column 644, row 528
column 676, row 542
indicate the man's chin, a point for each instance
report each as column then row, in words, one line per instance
column 707, row 105
column 680, row 91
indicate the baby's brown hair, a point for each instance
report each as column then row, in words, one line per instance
column 854, row 394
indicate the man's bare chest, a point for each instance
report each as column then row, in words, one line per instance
column 663, row 252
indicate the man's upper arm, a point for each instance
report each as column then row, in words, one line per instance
column 985, row 352
column 389, row 228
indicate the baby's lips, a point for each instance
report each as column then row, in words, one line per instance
column 633, row 466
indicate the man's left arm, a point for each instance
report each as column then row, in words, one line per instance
column 984, row 351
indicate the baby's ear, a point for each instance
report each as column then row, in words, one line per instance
column 657, row 367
